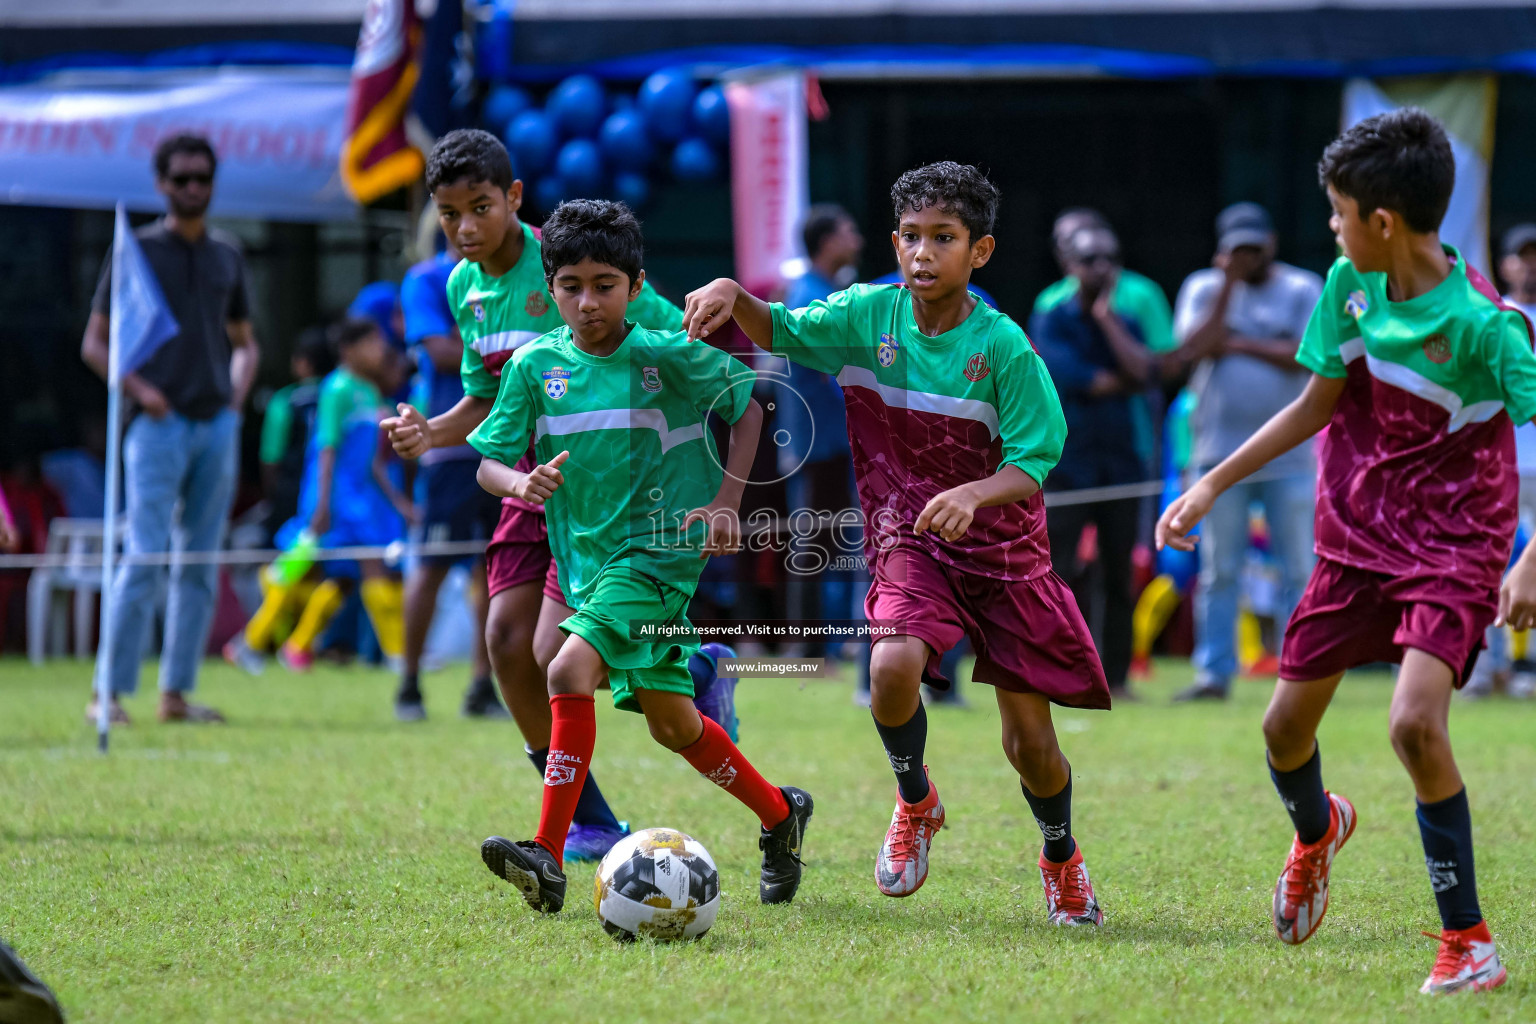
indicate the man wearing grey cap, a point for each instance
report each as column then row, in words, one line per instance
column 1239, row 323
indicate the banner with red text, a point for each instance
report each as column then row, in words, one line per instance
column 770, row 177
column 86, row 139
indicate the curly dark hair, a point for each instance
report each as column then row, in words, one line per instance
column 959, row 189
column 194, row 145
column 1399, row 161
column 603, row 230
column 469, row 154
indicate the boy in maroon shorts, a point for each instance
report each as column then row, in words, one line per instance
column 1419, row 374
column 953, row 423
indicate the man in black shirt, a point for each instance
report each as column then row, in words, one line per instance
column 183, row 442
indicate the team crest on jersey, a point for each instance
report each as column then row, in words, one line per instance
column 887, row 349
column 650, row 379
column 976, row 367
column 1437, row 348
column 537, row 304
column 555, row 382
column 1356, row 304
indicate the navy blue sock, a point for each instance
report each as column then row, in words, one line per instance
column 904, row 746
column 591, row 808
column 1054, row 816
column 1446, row 829
column 1304, row 797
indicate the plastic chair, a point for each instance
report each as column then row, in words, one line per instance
column 79, row 543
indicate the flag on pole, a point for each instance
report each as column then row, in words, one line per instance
column 140, row 322
column 378, row 156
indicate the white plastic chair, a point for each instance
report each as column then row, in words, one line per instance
column 78, row 541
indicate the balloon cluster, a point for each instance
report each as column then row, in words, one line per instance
column 584, row 143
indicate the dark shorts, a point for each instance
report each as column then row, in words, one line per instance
column 456, row 507
column 1350, row 617
column 1028, row 635
column 552, row 583
column 518, row 552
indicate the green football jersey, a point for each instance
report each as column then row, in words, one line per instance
column 496, row 315
column 1417, row 472
column 642, row 456
column 926, row 414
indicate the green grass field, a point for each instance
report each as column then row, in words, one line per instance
column 316, row 861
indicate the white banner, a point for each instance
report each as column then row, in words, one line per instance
column 87, row 139
column 770, row 177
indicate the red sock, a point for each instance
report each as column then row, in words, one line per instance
column 570, row 755
column 716, row 758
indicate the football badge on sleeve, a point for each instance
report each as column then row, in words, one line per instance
column 555, row 379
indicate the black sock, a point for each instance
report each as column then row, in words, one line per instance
column 410, row 688
column 1054, row 816
column 1304, row 797
column 591, row 808
column 482, row 687
column 904, row 746
column 1446, row 829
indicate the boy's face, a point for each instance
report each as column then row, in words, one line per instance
column 369, row 357
column 476, row 215
column 301, row 368
column 1519, row 269
column 1364, row 241
column 592, row 298
column 935, row 252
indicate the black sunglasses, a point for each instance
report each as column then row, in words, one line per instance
column 183, row 180
column 1090, row 259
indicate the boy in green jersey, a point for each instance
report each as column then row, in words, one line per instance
column 954, row 423
column 1419, row 374
column 635, row 500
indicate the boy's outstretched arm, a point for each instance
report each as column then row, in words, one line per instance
column 1286, row 429
column 949, row 513
column 412, row 434
column 535, row 486
column 708, row 309
column 720, row 516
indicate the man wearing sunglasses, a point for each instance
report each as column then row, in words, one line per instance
column 1100, row 363
column 182, row 444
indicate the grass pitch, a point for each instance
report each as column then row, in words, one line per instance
column 316, row 861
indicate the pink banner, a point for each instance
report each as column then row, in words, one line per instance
column 769, row 177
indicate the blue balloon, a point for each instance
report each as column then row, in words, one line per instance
column 712, row 115
column 666, row 99
column 577, row 106
column 581, row 165
column 549, row 192
column 532, row 142
column 501, row 105
column 624, row 141
column 695, row 160
column 633, row 190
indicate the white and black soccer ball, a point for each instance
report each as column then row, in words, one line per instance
column 659, row 884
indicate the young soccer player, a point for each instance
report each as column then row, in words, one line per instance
column 953, row 423
column 347, row 499
column 635, row 499
column 500, row 302
column 1417, row 372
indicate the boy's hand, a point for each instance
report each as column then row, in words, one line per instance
column 320, row 522
column 537, row 486
column 1180, row 517
column 722, row 528
column 708, row 309
column 408, row 432
column 1517, row 596
column 407, row 510
column 948, row 514
column 10, row 540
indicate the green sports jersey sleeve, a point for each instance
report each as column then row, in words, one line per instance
column 1143, row 299
column 653, row 312
column 1507, row 349
column 331, row 412
column 504, row 434
column 819, row 336
column 478, row 381
column 1029, row 419
column 1330, row 325
column 719, row 382
column 275, row 426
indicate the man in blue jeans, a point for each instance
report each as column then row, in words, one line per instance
column 1239, row 321
column 183, row 442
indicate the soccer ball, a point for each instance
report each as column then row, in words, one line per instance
column 660, row 884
